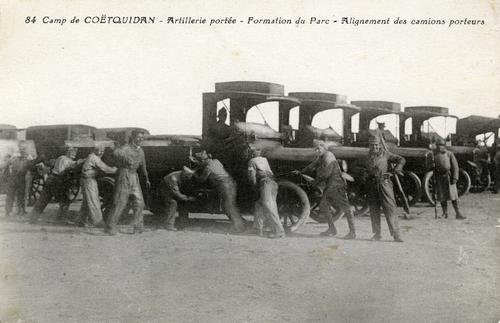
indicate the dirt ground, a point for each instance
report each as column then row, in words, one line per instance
column 445, row 271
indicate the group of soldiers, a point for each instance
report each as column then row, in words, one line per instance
column 129, row 159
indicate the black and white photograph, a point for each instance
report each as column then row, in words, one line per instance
column 233, row 161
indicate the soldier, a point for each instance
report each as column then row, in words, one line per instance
column 56, row 185
column 171, row 191
column 445, row 168
column 262, row 177
column 214, row 172
column 381, row 194
column 221, row 129
column 15, row 179
column 91, row 206
column 481, row 157
column 329, row 180
column 129, row 158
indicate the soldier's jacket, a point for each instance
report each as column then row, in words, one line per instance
column 377, row 165
column 481, row 155
column 63, row 164
column 445, row 163
column 328, row 171
column 172, row 183
column 93, row 164
column 131, row 157
column 18, row 167
column 214, row 171
column 258, row 168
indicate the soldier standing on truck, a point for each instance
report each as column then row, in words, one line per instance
column 129, row 158
column 262, row 177
column 329, row 180
column 56, row 185
column 445, row 168
column 381, row 192
column 213, row 171
column 171, row 192
column 15, row 181
column 91, row 214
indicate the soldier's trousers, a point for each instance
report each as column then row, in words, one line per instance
column 127, row 186
column 266, row 209
column 15, row 188
column 171, row 207
column 54, row 186
column 91, row 205
column 227, row 192
column 382, row 196
column 336, row 196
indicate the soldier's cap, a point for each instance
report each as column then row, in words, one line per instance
column 374, row 140
column 70, row 149
column 202, row 155
column 440, row 142
column 187, row 171
column 99, row 147
column 318, row 143
column 134, row 133
column 222, row 111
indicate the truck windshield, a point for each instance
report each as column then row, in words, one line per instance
column 265, row 113
column 329, row 119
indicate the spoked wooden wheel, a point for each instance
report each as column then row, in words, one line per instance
column 293, row 205
column 73, row 189
column 35, row 190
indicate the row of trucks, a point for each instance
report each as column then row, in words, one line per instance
column 288, row 147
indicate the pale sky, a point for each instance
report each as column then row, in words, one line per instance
column 153, row 76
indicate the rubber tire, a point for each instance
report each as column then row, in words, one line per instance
column 416, row 196
column 73, row 189
column 283, row 202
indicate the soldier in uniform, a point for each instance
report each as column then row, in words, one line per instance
column 262, row 178
column 445, row 168
column 129, row 158
column 482, row 158
column 329, row 180
column 171, row 191
column 213, row 171
column 15, row 178
column 381, row 194
column 221, row 129
column 56, row 185
column 91, row 206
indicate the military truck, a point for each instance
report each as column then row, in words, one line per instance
column 420, row 123
column 167, row 153
column 469, row 131
column 49, row 142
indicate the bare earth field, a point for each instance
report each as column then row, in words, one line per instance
column 445, row 271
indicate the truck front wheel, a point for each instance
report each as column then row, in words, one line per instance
column 293, row 205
